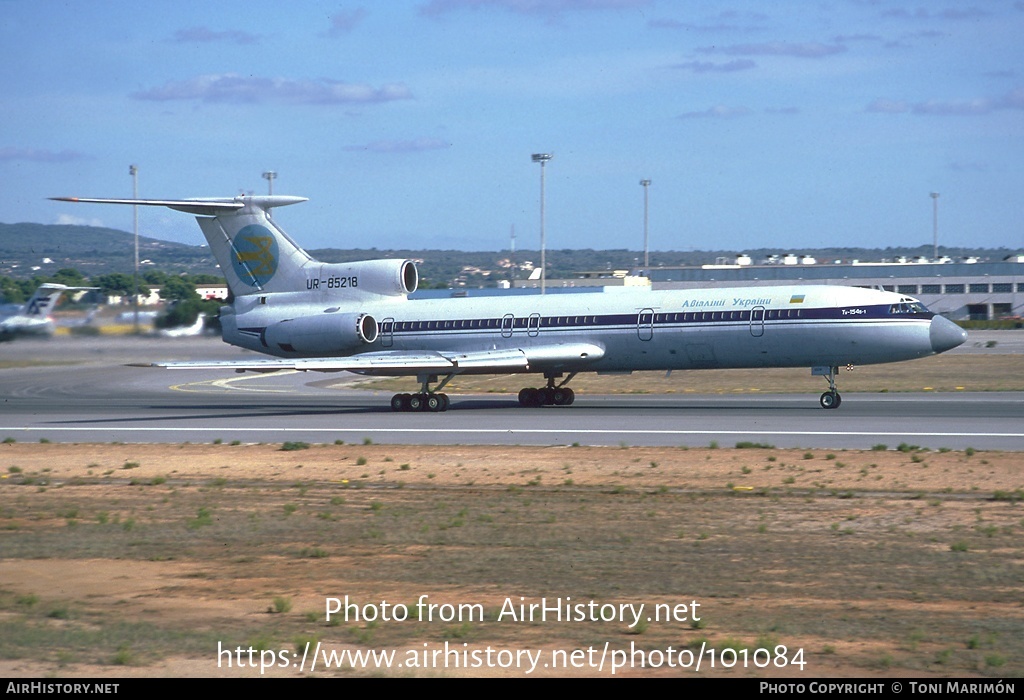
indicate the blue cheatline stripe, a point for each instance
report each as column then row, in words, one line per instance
column 661, row 320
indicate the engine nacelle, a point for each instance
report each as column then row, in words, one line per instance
column 385, row 277
column 325, row 334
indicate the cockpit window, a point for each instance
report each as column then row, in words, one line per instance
column 908, row 306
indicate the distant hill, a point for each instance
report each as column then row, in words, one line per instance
column 93, row 250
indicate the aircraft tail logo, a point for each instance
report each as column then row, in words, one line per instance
column 255, row 255
column 44, row 299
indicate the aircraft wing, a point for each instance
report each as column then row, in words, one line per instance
column 400, row 362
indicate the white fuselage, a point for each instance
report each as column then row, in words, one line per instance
column 641, row 329
column 26, row 325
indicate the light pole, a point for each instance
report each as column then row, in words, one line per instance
column 542, row 158
column 935, row 225
column 133, row 170
column 512, row 257
column 269, row 176
column 647, row 261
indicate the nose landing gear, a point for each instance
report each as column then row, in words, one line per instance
column 831, row 398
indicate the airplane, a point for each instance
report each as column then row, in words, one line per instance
column 184, row 331
column 358, row 317
column 33, row 318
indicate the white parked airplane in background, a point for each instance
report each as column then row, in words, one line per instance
column 185, row 331
column 357, row 316
column 33, row 318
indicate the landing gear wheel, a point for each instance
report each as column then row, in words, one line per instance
column 445, row 403
column 400, row 402
column 830, row 399
column 434, row 403
column 525, row 396
column 531, row 398
column 416, row 402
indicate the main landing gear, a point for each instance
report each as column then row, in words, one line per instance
column 551, row 395
column 426, row 400
column 433, row 402
column 831, row 398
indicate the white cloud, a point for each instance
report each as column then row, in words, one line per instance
column 884, row 106
column 977, row 106
column 965, row 13
column 40, row 155
column 237, row 89
column 402, row 146
column 717, row 112
column 810, row 49
column 726, row 21
column 545, row 8
column 205, row 35
column 710, row 67
column 344, row 22
column 969, row 166
column 945, row 107
column 68, row 220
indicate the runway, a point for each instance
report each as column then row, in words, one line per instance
column 101, row 400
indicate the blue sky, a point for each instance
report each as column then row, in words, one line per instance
column 785, row 125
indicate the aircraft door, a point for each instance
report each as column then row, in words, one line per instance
column 757, row 321
column 508, row 322
column 645, row 324
column 387, row 332
column 533, row 325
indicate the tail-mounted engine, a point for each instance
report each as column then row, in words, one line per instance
column 384, row 277
column 325, row 334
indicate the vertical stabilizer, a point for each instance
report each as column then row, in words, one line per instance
column 43, row 300
column 254, row 253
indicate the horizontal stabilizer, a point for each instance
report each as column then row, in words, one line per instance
column 63, row 287
column 212, row 206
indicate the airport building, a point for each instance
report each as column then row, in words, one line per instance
column 965, row 290
column 959, row 290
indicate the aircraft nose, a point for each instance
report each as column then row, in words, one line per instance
column 945, row 335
